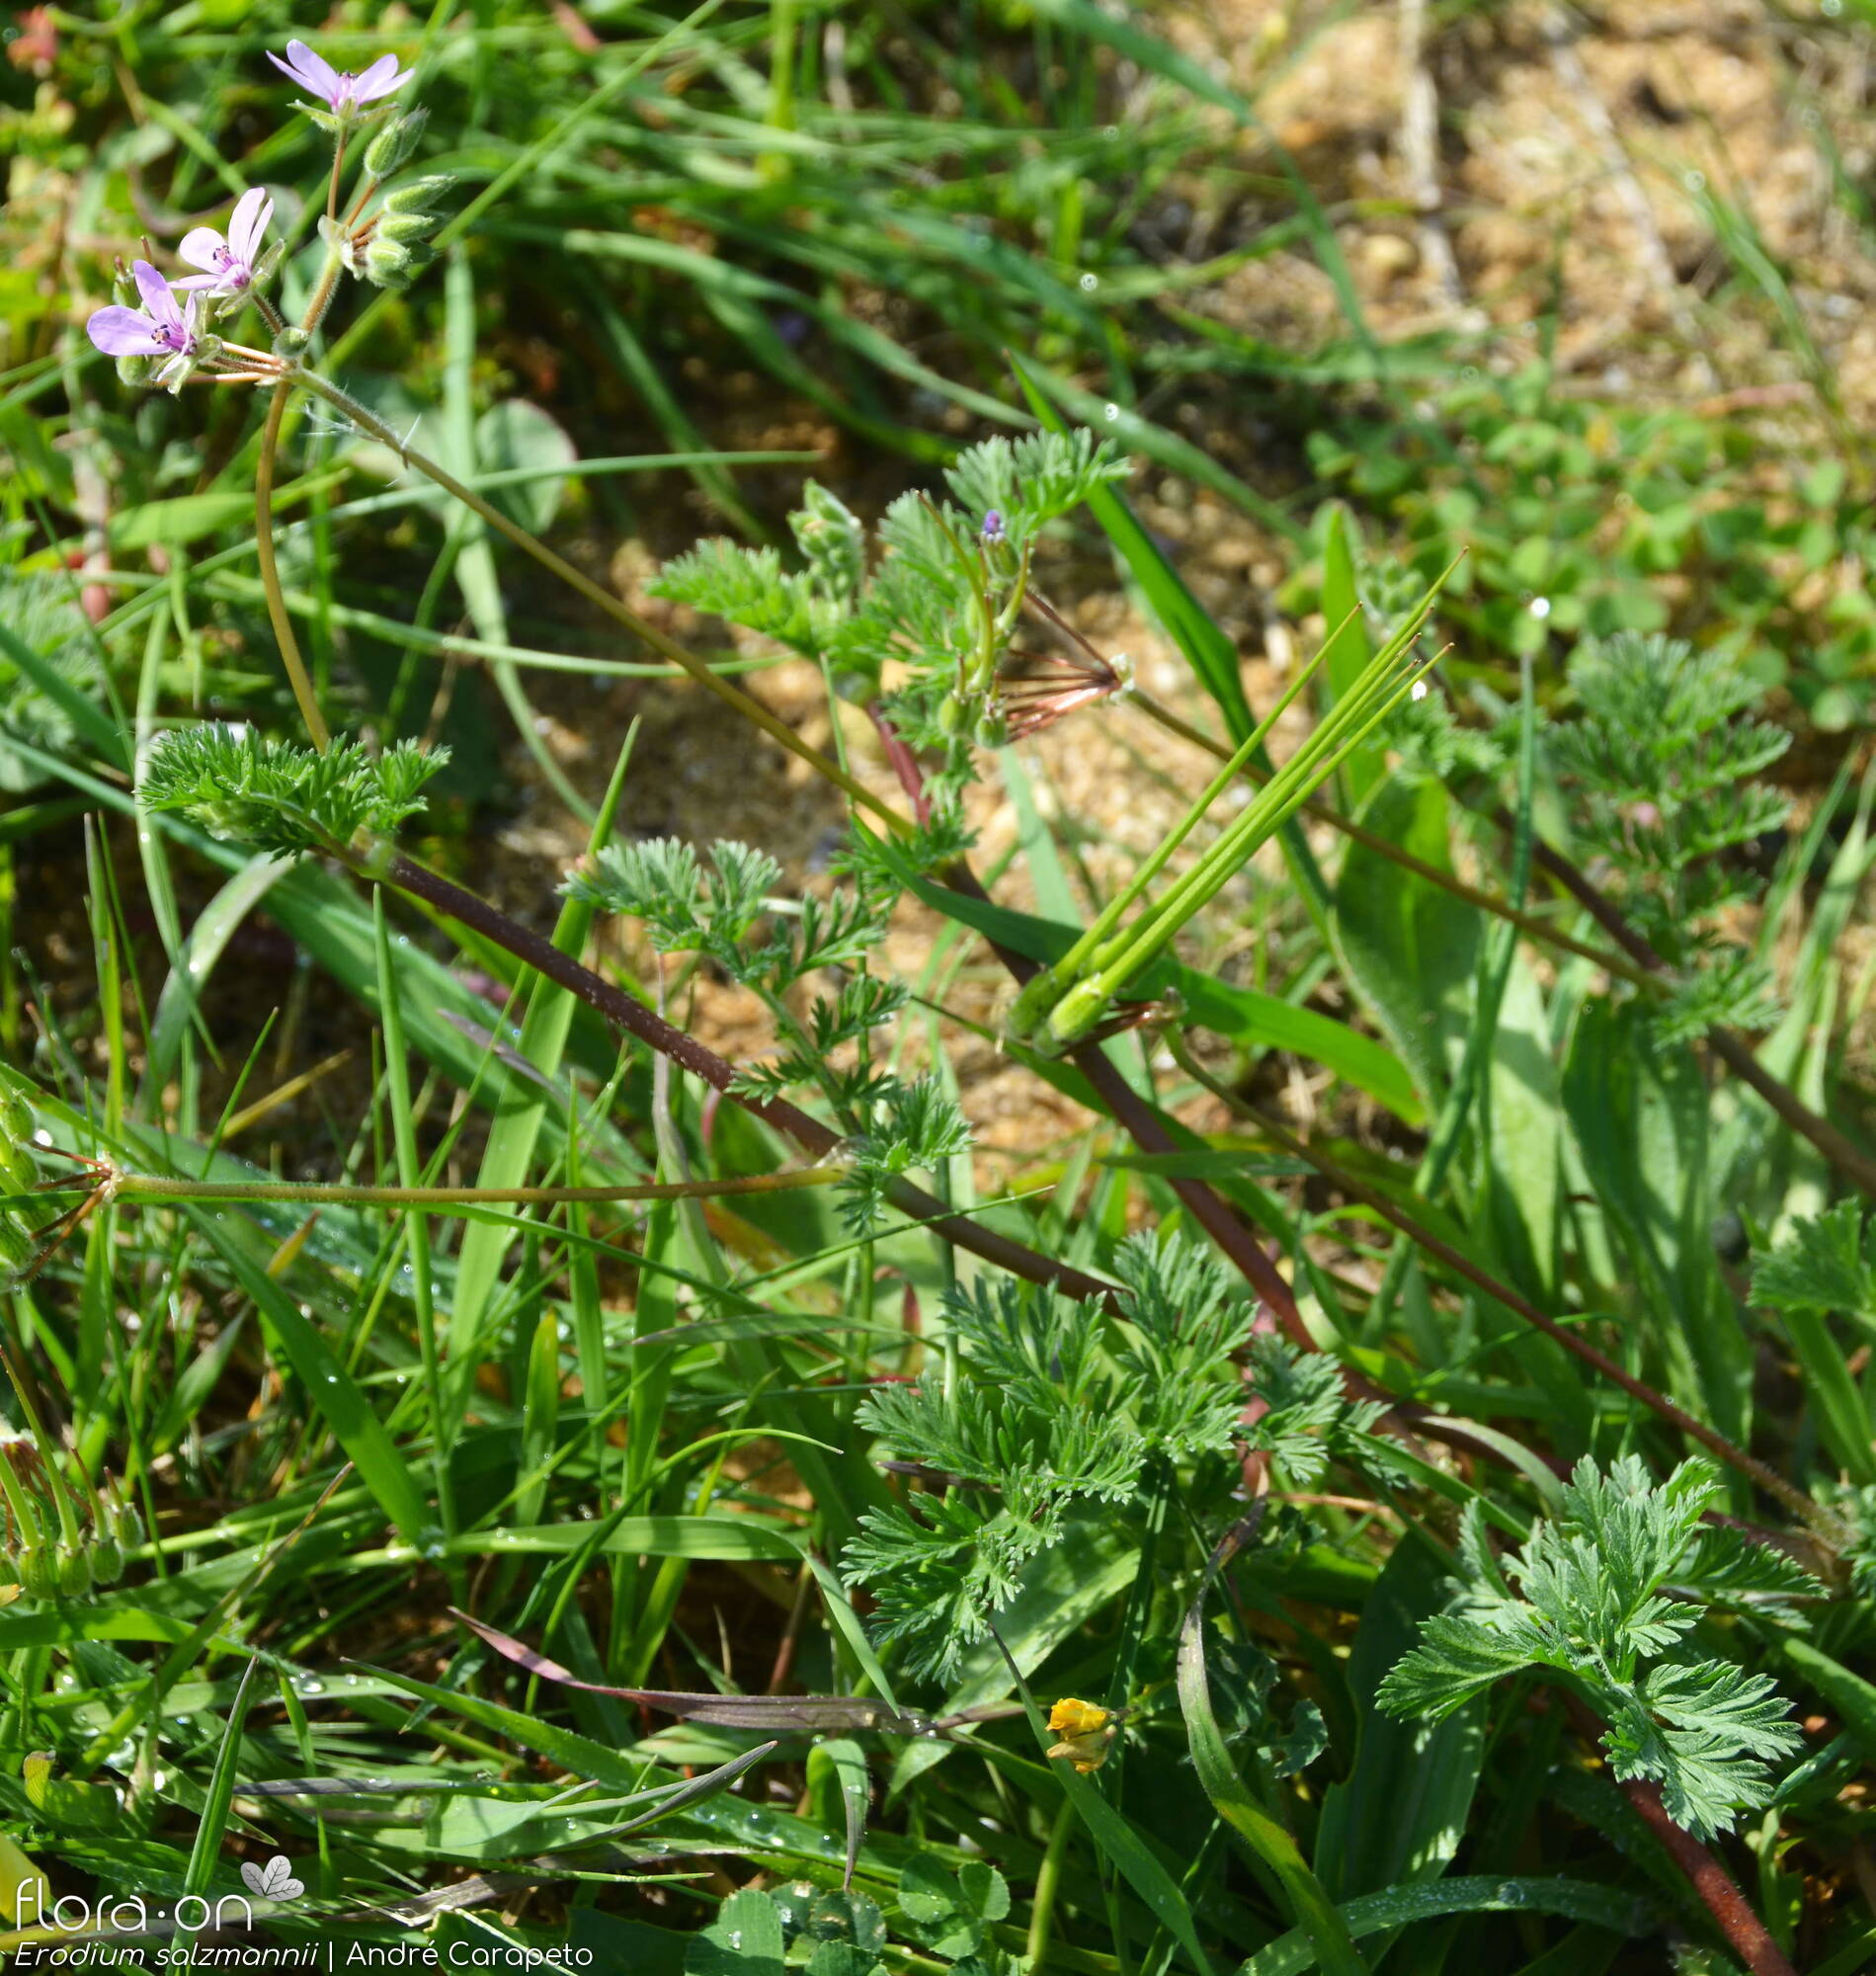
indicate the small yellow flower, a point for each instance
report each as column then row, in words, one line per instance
column 1086, row 1733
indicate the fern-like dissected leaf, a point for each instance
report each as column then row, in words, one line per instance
column 1049, row 1407
column 685, row 908
column 1705, row 1733
column 1304, row 1408
column 1823, row 1263
column 914, row 1126
column 1030, row 481
column 1662, row 761
column 1456, row 1659
column 748, row 587
column 1592, row 1605
column 284, row 800
column 938, row 1578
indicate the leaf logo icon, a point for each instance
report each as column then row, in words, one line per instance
column 273, row 1883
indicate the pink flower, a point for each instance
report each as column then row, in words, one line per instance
column 230, row 262
column 158, row 329
column 342, row 94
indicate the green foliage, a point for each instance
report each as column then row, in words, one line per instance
column 1660, row 764
column 922, row 621
column 1049, row 1409
column 1827, row 1263
column 748, row 587
column 1590, row 516
column 1032, row 480
column 1591, row 1605
column 39, row 612
column 600, row 1422
column 1307, row 1418
column 281, row 797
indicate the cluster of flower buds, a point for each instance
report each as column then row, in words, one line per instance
column 63, row 1537
column 159, row 328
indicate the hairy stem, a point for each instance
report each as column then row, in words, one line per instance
column 628, row 1013
column 732, row 696
column 1746, row 1934
column 154, row 1188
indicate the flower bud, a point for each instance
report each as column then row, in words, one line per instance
column 420, row 195
column 290, row 342
column 953, row 715
column 73, row 1565
column 135, row 370
column 127, row 1524
column 39, row 1571
column 17, row 1171
column 16, row 1246
column 391, row 265
column 106, row 1559
column 15, row 1118
column 393, row 144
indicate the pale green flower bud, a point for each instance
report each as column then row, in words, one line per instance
column 106, row 1559
column 393, row 144
column 389, row 264
column 39, row 1571
column 73, row 1565
column 420, row 195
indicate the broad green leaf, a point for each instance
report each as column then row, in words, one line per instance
column 1638, row 1112
column 1575, row 1900
column 1322, row 1926
column 517, row 437
column 1410, row 948
column 1527, row 1142
column 745, row 1939
column 1401, row 1812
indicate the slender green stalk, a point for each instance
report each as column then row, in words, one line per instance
column 1125, row 954
column 278, row 615
column 1527, row 923
column 732, row 696
column 156, row 1188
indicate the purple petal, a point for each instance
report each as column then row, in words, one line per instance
column 379, row 80
column 122, row 332
column 199, row 247
column 288, row 71
column 158, row 303
column 310, row 71
column 251, row 212
column 191, row 283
